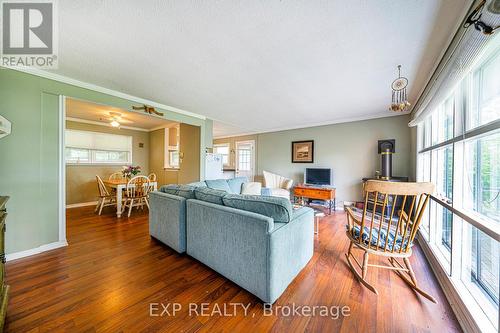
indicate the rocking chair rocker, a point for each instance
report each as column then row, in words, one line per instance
column 374, row 231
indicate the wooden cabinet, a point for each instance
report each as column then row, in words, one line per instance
column 318, row 193
column 3, row 287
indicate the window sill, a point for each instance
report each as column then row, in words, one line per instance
column 469, row 314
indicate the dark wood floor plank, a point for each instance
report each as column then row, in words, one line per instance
column 111, row 272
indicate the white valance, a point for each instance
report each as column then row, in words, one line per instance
column 97, row 141
column 466, row 48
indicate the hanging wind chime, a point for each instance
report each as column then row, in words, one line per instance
column 399, row 96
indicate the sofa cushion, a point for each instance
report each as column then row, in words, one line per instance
column 235, row 184
column 186, row 191
column 170, row 189
column 209, row 195
column 253, row 188
column 280, row 209
column 198, row 184
column 218, row 184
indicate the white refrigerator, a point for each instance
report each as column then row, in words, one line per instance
column 213, row 166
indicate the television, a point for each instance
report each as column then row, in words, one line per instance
column 318, row 176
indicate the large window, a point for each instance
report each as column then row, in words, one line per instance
column 459, row 151
column 84, row 147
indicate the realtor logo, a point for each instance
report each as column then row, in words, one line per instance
column 28, row 34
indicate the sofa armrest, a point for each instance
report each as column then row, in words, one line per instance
column 291, row 247
column 167, row 219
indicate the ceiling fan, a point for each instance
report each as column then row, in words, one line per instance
column 116, row 119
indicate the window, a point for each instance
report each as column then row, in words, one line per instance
column 223, row 149
column 75, row 155
column 84, row 147
column 442, row 119
column 482, row 176
column 173, row 157
column 424, row 175
column 461, row 157
column 485, row 94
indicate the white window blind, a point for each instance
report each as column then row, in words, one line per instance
column 84, row 147
column 98, row 141
column 466, row 49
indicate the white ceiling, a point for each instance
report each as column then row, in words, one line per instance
column 87, row 111
column 257, row 66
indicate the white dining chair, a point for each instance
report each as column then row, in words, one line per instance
column 152, row 177
column 136, row 193
column 116, row 176
column 105, row 198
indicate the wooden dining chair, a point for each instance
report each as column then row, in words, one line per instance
column 105, row 198
column 137, row 193
column 152, row 177
column 116, row 176
column 387, row 233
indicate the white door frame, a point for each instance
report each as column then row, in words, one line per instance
column 62, row 170
column 252, row 143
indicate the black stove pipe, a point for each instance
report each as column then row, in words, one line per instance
column 386, row 162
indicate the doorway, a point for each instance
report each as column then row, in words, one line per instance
column 245, row 159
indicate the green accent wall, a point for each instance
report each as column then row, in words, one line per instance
column 350, row 149
column 29, row 161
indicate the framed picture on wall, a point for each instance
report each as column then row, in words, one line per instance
column 303, row 151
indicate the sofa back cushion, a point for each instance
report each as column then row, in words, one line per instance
column 235, row 184
column 186, row 191
column 198, row 184
column 210, row 195
column 170, row 189
column 218, row 184
column 280, row 209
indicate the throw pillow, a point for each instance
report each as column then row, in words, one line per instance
column 218, row 184
column 253, row 188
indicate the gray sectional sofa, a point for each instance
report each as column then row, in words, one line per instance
column 259, row 242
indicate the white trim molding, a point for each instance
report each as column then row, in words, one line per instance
column 62, row 170
column 461, row 305
column 90, row 86
column 36, row 250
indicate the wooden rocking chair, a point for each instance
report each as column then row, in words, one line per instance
column 376, row 230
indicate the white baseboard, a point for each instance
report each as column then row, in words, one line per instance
column 36, row 250
column 82, row 204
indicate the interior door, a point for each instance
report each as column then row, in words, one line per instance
column 245, row 159
column 189, row 154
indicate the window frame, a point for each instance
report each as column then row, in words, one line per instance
column 428, row 142
column 220, row 145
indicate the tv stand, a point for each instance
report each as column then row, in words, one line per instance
column 317, row 192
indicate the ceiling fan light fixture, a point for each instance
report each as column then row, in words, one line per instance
column 114, row 123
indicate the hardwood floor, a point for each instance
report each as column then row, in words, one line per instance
column 105, row 280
